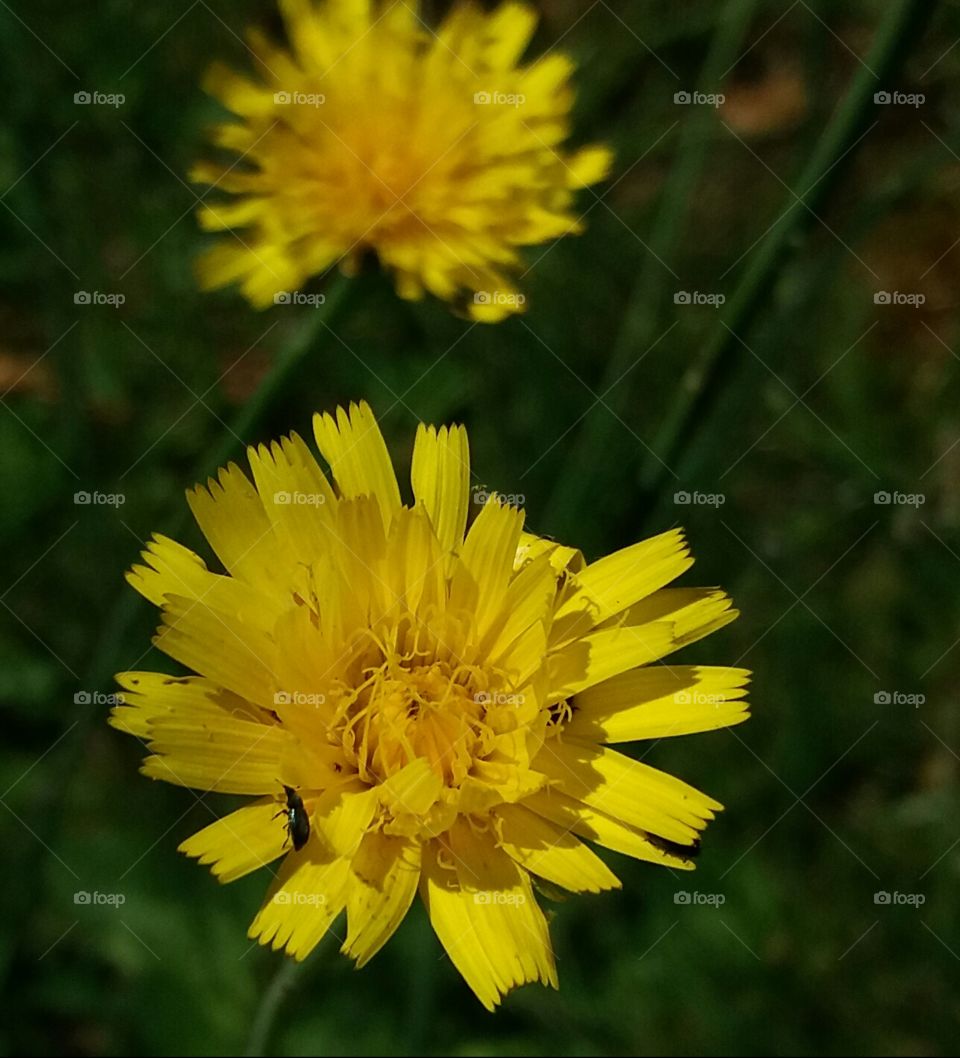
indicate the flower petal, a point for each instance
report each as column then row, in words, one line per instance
column 610, row 833
column 440, row 475
column 482, row 908
column 553, row 853
column 241, row 842
column 627, row 790
column 386, row 873
column 614, row 583
column 656, row 702
column 355, row 449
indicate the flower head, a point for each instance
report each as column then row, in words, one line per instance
column 427, row 706
column 436, row 150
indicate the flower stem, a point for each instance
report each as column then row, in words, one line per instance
column 283, row 980
column 704, row 382
column 833, row 151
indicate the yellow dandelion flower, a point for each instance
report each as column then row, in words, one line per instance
column 436, row 150
column 426, row 706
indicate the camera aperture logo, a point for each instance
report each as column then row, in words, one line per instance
column 699, row 99
column 498, row 698
column 507, row 499
column 499, row 899
column 899, row 698
column 699, row 499
column 899, row 499
column 98, row 698
column 99, row 99
column 296, row 898
column 299, row 99
column 499, row 99
column 299, row 499
column 899, row 297
column 499, row 297
column 298, row 698
column 897, row 899
column 699, row 698
column 298, row 297
column 698, row 297
column 684, row 898
column 899, row 99
column 99, row 297
column 99, row 499
column 84, row 898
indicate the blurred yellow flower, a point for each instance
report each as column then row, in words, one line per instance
column 426, row 706
column 436, row 150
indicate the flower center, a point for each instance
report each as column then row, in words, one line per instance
column 403, row 708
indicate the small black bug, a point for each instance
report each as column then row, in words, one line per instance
column 298, row 820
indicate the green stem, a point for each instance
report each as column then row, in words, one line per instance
column 106, row 657
column 240, row 431
column 832, row 153
column 261, row 1030
column 640, row 320
column 704, row 382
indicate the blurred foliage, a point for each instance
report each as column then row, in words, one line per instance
column 833, row 794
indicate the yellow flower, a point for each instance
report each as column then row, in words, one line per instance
column 427, row 706
column 436, row 150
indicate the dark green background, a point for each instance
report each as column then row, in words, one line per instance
column 832, row 794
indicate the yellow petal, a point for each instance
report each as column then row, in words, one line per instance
column 170, row 568
column 241, row 842
column 627, row 790
column 480, row 578
column 482, row 908
column 354, row 447
column 597, row 826
column 440, row 475
column 694, row 612
column 386, row 872
column 616, row 582
column 309, row 893
column 655, row 702
column 605, row 653
column 218, row 645
column 232, row 518
column 589, row 166
column 552, row 852
column 296, row 497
